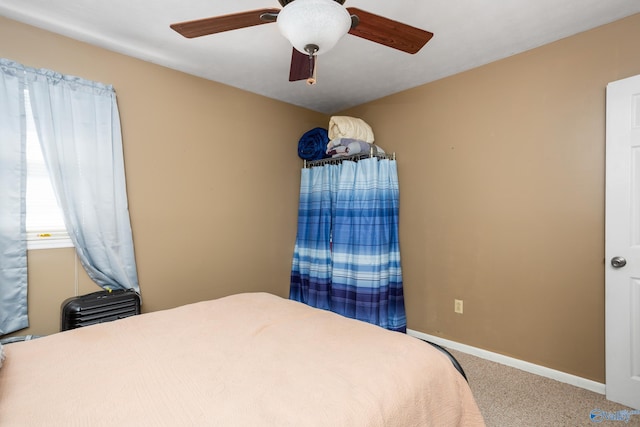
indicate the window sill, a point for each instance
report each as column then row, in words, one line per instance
column 52, row 241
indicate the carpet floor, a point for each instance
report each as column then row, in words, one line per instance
column 509, row 397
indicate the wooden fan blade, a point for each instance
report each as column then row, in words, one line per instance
column 218, row 24
column 301, row 69
column 388, row 32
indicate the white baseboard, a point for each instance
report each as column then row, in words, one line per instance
column 514, row 363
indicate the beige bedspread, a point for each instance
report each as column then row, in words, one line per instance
column 244, row 360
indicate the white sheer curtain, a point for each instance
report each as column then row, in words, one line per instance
column 78, row 126
column 13, row 242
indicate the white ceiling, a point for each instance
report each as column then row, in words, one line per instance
column 468, row 33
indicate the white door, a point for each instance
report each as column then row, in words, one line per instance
column 622, row 247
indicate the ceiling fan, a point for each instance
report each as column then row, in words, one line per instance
column 313, row 27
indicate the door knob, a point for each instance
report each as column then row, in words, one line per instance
column 618, row 262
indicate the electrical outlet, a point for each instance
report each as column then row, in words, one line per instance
column 457, row 306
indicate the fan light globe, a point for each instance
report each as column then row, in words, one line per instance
column 314, row 22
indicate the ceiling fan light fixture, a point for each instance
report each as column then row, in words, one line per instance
column 314, row 22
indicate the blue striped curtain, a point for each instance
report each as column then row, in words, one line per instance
column 347, row 253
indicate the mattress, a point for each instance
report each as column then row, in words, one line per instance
column 251, row 359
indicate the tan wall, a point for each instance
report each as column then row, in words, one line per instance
column 502, row 190
column 502, row 198
column 212, row 176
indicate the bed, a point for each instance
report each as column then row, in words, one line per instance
column 251, row 359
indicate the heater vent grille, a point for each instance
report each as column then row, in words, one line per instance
column 98, row 307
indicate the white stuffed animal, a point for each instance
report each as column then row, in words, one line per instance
column 341, row 147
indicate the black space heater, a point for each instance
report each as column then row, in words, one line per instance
column 98, row 307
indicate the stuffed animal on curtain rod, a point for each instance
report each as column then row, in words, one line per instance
column 341, row 147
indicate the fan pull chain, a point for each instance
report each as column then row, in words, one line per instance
column 312, row 71
column 311, row 49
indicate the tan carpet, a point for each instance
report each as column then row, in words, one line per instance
column 509, row 397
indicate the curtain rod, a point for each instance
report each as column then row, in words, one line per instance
column 353, row 158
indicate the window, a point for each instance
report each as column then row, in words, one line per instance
column 45, row 223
